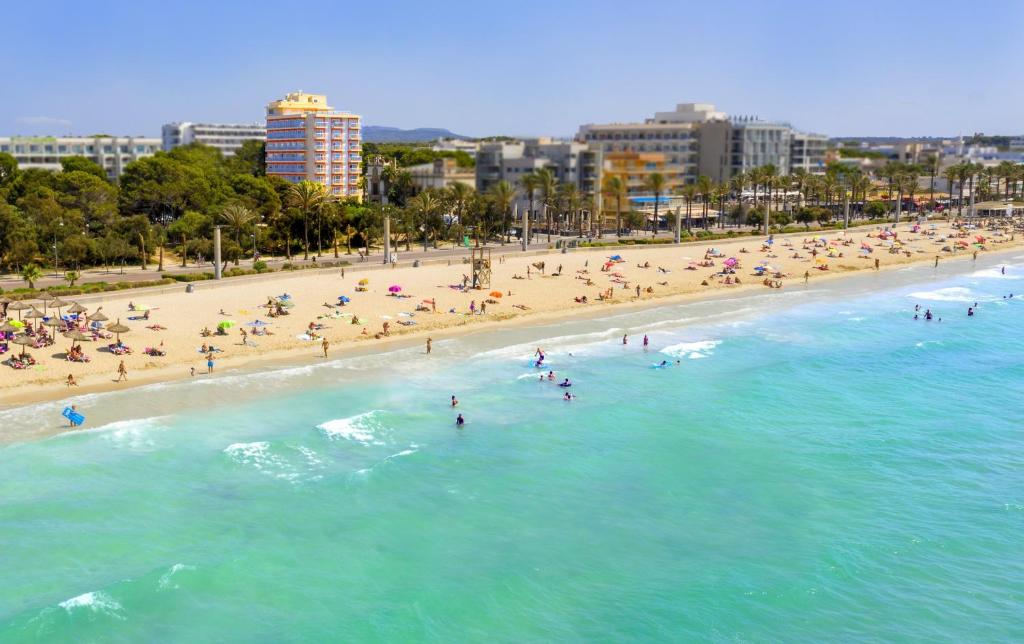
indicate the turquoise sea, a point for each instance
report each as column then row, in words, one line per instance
column 818, row 467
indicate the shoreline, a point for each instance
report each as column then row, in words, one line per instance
column 17, row 395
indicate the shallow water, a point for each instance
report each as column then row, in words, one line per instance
column 818, row 465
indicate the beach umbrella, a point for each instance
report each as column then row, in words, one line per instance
column 117, row 329
column 731, row 262
column 496, row 294
column 53, row 322
column 24, row 341
column 225, row 324
column 5, row 300
column 344, row 298
column 17, row 324
column 19, row 306
column 58, row 304
column 364, row 282
column 76, row 336
column 98, row 316
column 394, row 288
column 76, row 308
column 35, row 314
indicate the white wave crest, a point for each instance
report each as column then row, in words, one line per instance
column 692, row 350
column 361, row 428
column 951, row 294
column 96, row 602
column 166, row 582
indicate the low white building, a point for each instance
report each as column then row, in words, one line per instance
column 112, row 153
column 226, row 137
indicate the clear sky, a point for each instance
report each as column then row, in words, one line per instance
column 839, row 67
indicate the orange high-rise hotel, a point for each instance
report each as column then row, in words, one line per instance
column 308, row 140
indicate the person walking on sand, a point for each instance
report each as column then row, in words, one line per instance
column 936, row 261
column 877, row 263
column 807, row 276
column 638, row 290
column 122, row 372
column 430, row 345
column 325, row 345
column 209, row 362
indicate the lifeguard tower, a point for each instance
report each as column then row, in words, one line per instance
column 481, row 262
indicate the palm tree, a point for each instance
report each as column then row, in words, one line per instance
column 655, row 182
column 768, row 173
column 931, row 164
column 615, row 188
column 952, row 174
column 737, row 184
column 308, row 197
column 426, row 205
column 503, row 194
column 237, row 217
column 689, row 192
column 547, row 184
column 530, row 183
column 31, row 274
column 704, row 188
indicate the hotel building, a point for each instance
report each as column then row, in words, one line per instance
column 308, row 141
column 226, row 137
column 112, row 153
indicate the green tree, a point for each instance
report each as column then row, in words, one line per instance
column 238, row 218
column 32, row 274
column 655, row 183
column 308, row 198
column 504, row 194
column 614, row 188
column 547, row 184
column 82, row 164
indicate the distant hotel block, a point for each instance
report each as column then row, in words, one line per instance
column 307, row 140
column 226, row 137
column 112, row 153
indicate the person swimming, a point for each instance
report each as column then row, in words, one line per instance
column 928, row 314
column 455, row 401
column 568, row 396
column 565, row 383
column 970, row 311
column 460, row 421
column 551, row 375
column 664, row 363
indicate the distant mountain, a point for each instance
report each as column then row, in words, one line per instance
column 384, row 134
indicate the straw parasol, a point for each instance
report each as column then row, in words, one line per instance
column 19, row 306
column 35, row 314
column 24, row 341
column 7, row 327
column 98, row 316
column 76, row 308
column 5, row 300
column 58, row 303
column 118, row 328
column 54, row 322
column 76, row 336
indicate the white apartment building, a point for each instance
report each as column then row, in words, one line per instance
column 673, row 134
column 226, row 137
column 112, row 153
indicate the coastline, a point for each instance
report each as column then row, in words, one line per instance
column 14, row 394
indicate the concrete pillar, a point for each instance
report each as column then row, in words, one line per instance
column 387, row 239
column 216, row 253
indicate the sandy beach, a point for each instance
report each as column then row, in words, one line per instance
column 433, row 304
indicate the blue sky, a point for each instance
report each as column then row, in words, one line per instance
column 900, row 67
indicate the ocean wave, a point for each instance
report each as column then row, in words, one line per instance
column 994, row 273
column 166, row 580
column 292, row 464
column 692, row 350
column 525, row 350
column 96, row 602
column 361, row 428
column 950, row 294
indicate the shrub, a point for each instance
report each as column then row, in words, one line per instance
column 260, row 266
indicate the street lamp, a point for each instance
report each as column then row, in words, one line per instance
column 56, row 260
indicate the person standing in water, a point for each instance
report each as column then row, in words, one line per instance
column 455, row 401
column 460, row 421
column 625, row 339
column 430, row 345
column 646, row 342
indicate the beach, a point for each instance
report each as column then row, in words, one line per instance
column 417, row 303
column 812, row 462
